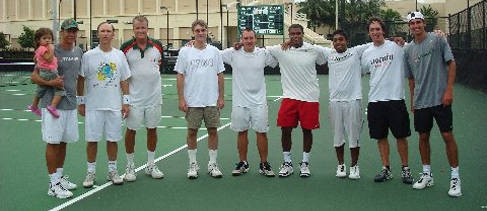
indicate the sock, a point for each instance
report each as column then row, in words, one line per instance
column 130, row 158
column 306, row 157
column 213, row 155
column 287, row 157
column 54, row 179
column 455, row 174
column 112, row 165
column 404, row 167
column 192, row 155
column 91, row 167
column 150, row 157
column 387, row 167
column 427, row 169
column 59, row 171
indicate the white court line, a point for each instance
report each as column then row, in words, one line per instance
column 280, row 97
column 99, row 188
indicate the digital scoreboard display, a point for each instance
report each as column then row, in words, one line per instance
column 263, row 19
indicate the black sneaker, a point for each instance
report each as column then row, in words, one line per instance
column 241, row 167
column 384, row 174
column 406, row 176
column 266, row 169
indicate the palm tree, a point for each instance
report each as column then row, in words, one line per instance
column 431, row 16
column 319, row 12
column 391, row 17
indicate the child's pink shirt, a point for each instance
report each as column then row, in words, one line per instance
column 41, row 62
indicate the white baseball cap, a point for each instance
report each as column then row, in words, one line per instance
column 415, row 15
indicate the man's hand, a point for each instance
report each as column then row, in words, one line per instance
column 125, row 110
column 183, row 106
column 439, row 33
column 58, row 82
column 81, row 109
column 220, row 103
column 237, row 45
column 286, row 45
column 190, row 43
column 447, row 98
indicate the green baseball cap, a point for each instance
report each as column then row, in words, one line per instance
column 69, row 23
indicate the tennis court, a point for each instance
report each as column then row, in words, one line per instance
column 24, row 181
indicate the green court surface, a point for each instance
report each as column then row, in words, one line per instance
column 24, row 180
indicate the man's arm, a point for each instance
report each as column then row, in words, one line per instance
column 125, row 99
column 448, row 95
column 36, row 78
column 221, row 92
column 411, row 93
column 180, row 86
column 80, row 89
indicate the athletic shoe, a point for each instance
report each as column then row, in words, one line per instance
column 354, row 172
column 114, row 177
column 35, row 110
column 154, row 172
column 384, row 174
column 266, row 169
column 304, row 169
column 89, row 180
column 130, row 175
column 241, row 167
column 66, row 183
column 341, row 171
column 286, row 169
column 406, row 176
column 214, row 171
column 59, row 191
column 426, row 180
column 193, row 170
column 53, row 111
column 455, row 188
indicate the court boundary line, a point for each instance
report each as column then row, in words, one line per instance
column 107, row 184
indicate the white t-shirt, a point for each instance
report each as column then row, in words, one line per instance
column 345, row 82
column 298, row 71
column 386, row 66
column 248, row 81
column 103, row 72
column 200, row 69
column 145, row 83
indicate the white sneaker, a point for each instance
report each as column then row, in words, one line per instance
column 455, row 188
column 89, row 180
column 66, row 183
column 130, row 173
column 426, row 180
column 286, row 169
column 214, row 171
column 153, row 171
column 304, row 169
column 114, row 177
column 59, row 191
column 354, row 172
column 341, row 171
column 193, row 170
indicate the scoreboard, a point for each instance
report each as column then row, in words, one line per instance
column 263, row 19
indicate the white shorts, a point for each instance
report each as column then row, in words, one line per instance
column 62, row 129
column 103, row 123
column 150, row 116
column 346, row 118
column 245, row 117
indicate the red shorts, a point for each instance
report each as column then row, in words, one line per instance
column 292, row 111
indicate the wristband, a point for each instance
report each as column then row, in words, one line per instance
column 126, row 99
column 80, row 100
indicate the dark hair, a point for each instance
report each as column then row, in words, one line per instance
column 249, row 30
column 200, row 22
column 98, row 27
column 380, row 22
column 296, row 26
column 41, row 32
column 140, row 18
column 339, row 32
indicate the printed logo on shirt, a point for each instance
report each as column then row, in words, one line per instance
column 340, row 58
column 106, row 72
column 382, row 61
column 201, row 63
column 69, row 59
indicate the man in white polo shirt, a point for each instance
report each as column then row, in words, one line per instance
column 249, row 104
column 144, row 56
column 104, row 73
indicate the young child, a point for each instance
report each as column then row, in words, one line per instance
column 46, row 62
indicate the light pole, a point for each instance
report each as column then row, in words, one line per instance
column 197, row 7
column 221, row 23
column 167, row 24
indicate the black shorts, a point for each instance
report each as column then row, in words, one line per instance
column 423, row 118
column 383, row 115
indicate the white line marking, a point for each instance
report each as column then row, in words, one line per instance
column 280, row 97
column 101, row 187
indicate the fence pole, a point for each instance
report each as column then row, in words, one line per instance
column 469, row 27
column 458, row 30
column 483, row 25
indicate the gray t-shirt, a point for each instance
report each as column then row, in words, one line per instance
column 426, row 63
column 69, row 65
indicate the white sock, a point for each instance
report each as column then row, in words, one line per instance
column 112, row 165
column 287, row 157
column 150, row 157
column 54, row 179
column 130, row 158
column 91, row 167
column 192, row 155
column 59, row 171
column 306, row 157
column 455, row 174
column 427, row 169
column 213, row 154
